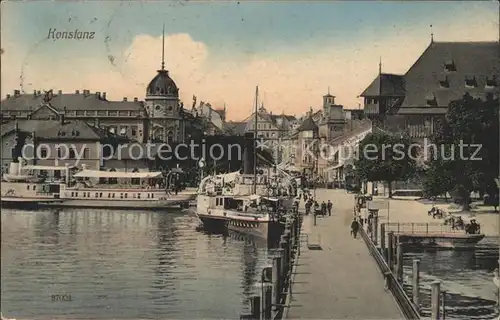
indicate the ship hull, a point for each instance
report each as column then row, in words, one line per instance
column 172, row 202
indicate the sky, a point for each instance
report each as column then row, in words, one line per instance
column 219, row 51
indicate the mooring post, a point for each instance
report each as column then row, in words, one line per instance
column 390, row 252
column 255, row 307
column 375, row 229
column 416, row 283
column 400, row 260
column 382, row 241
column 314, row 217
column 284, row 246
column 277, row 290
column 435, row 297
column 266, row 301
column 443, row 305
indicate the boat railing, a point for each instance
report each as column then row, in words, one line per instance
column 421, row 228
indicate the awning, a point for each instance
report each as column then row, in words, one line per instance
column 270, row 199
column 116, row 174
column 47, row 168
column 335, row 167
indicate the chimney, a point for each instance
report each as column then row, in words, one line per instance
column 135, row 99
column 98, row 95
column 8, row 96
column 124, row 98
column 38, row 92
column 17, row 93
column 59, row 92
column 77, row 91
column 248, row 153
column 34, row 93
column 86, row 92
column 103, row 96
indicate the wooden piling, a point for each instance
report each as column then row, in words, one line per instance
column 435, row 297
column 255, row 307
column 382, row 241
column 277, row 280
column 266, row 301
column 416, row 283
column 284, row 260
column 400, row 260
column 443, row 304
column 390, row 250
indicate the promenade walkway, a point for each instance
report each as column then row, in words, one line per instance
column 341, row 281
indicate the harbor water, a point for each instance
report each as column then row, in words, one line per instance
column 91, row 264
column 465, row 275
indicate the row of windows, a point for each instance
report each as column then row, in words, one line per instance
column 122, row 130
column 219, row 201
column 112, row 195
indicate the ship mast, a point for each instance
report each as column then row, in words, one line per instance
column 255, row 141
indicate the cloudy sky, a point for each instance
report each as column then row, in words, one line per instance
column 219, row 51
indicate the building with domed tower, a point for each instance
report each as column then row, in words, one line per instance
column 163, row 107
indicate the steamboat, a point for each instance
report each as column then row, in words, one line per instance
column 31, row 186
column 250, row 201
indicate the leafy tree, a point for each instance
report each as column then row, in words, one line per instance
column 385, row 157
column 466, row 156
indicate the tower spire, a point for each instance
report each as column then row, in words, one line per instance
column 432, row 35
column 163, row 49
column 380, row 66
column 328, row 90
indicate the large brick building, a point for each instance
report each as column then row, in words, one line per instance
column 417, row 101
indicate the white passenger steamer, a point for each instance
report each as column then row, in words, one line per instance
column 228, row 201
column 135, row 190
column 31, row 186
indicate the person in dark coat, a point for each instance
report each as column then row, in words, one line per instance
column 354, row 228
column 308, row 207
column 330, row 206
column 323, row 208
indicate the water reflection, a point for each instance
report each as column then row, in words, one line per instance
column 118, row 264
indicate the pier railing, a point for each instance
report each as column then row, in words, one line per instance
column 405, row 304
column 420, row 228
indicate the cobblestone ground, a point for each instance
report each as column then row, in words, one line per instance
column 340, row 281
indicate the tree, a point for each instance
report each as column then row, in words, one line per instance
column 385, row 157
column 465, row 157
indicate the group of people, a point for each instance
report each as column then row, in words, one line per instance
column 310, row 203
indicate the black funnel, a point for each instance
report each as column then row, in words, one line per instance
column 248, row 153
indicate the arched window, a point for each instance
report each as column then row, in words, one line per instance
column 170, row 136
column 112, row 180
column 135, row 181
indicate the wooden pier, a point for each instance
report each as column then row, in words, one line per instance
column 336, row 277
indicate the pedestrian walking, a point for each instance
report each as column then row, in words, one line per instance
column 323, row 208
column 354, row 228
column 330, row 206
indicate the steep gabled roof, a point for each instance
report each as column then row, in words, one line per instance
column 308, row 125
column 386, row 84
column 469, row 59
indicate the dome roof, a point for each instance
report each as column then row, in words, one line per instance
column 162, row 85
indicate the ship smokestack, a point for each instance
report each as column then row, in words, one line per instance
column 248, row 153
